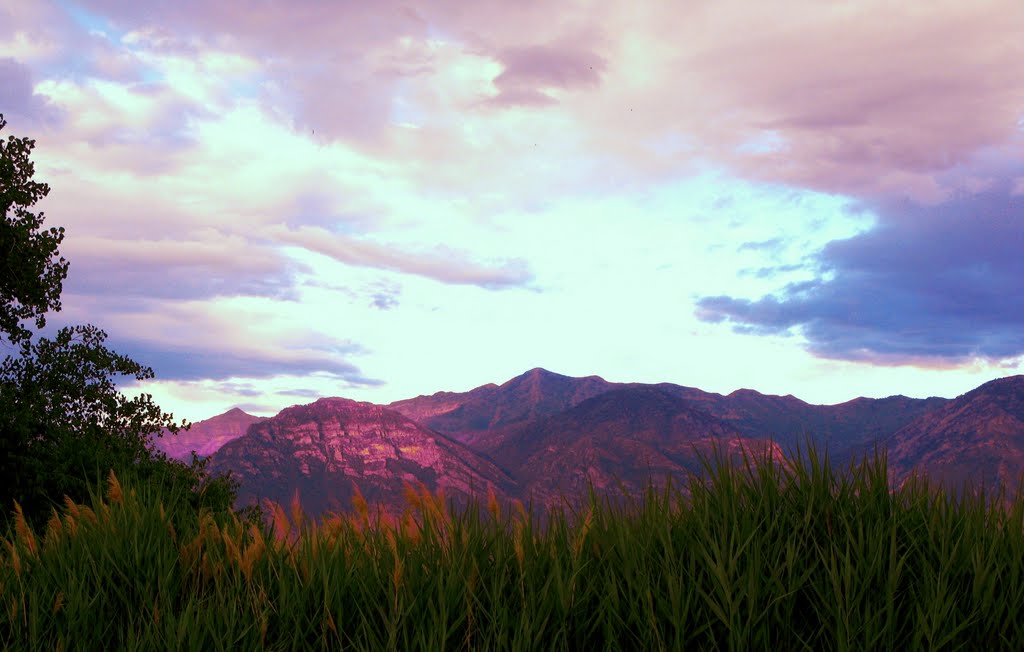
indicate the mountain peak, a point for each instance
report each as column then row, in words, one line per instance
column 541, row 372
column 533, row 377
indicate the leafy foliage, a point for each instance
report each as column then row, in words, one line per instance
column 63, row 423
column 30, row 279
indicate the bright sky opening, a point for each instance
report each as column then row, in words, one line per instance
column 276, row 201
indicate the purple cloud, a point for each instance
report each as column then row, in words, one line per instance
column 301, row 393
column 18, row 99
column 384, row 301
column 443, row 264
column 528, row 71
column 172, row 362
column 342, row 97
column 928, row 285
column 173, row 269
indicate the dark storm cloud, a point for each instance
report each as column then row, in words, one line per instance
column 939, row 284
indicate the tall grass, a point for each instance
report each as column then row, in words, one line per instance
column 755, row 559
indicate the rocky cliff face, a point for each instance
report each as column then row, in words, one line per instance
column 977, row 437
column 206, row 437
column 326, row 448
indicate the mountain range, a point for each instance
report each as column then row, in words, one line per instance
column 541, row 436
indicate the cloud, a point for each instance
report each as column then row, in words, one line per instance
column 771, row 245
column 530, row 72
column 928, row 285
column 194, row 363
column 864, row 100
column 444, row 266
column 241, row 338
column 18, row 99
column 257, row 409
column 869, row 101
column 217, row 266
column 239, row 389
column 302, row 393
column 346, row 96
column 384, row 300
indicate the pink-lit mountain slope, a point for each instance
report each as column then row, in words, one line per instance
column 977, row 437
column 322, row 448
column 542, row 435
column 849, row 428
column 534, row 394
column 206, row 437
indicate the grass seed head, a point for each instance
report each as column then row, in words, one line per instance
column 411, row 496
column 492, row 503
column 253, row 553
column 25, row 534
column 411, row 528
column 359, row 502
column 12, row 553
column 53, row 530
column 392, row 542
column 70, row 526
column 396, row 575
column 518, row 504
column 89, row 515
column 587, row 522
column 230, row 547
column 114, row 493
column 298, row 516
column 70, row 506
column 282, row 527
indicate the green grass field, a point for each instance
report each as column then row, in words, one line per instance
column 755, row 560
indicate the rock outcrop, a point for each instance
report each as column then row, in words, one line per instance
column 327, row 449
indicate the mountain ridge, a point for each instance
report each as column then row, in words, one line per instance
column 542, row 433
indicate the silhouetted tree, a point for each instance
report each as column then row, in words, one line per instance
column 63, row 423
column 30, row 279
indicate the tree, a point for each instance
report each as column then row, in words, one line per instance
column 63, row 423
column 30, row 279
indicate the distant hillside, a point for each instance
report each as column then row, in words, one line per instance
column 541, row 434
column 207, row 436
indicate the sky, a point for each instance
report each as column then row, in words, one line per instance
column 269, row 202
